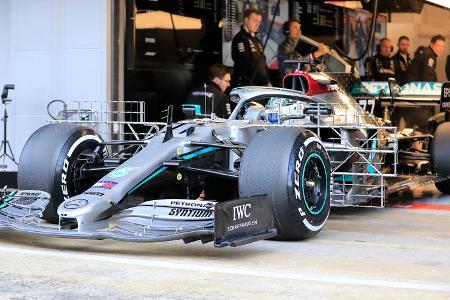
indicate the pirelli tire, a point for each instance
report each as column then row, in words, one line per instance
column 292, row 167
column 49, row 162
column 440, row 147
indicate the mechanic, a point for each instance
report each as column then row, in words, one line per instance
column 214, row 94
column 290, row 48
column 382, row 65
column 423, row 66
column 402, row 60
column 250, row 66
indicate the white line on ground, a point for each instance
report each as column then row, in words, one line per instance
column 212, row 268
column 385, row 245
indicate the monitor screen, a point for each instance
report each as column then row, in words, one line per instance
column 320, row 21
column 176, row 31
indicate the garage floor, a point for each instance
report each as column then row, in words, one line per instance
column 395, row 253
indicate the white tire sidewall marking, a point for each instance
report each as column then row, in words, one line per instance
column 74, row 146
column 305, row 219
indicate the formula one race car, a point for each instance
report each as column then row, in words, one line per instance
column 209, row 179
column 273, row 168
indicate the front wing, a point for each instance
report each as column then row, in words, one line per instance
column 232, row 223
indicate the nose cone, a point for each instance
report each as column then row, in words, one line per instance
column 85, row 206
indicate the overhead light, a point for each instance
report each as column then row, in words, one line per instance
column 346, row 4
column 443, row 3
column 162, row 20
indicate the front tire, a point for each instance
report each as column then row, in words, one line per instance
column 292, row 167
column 49, row 162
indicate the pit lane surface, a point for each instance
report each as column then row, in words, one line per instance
column 394, row 253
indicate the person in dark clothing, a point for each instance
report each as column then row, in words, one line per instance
column 289, row 49
column 211, row 97
column 447, row 68
column 382, row 65
column 250, row 66
column 419, row 50
column 423, row 66
column 402, row 60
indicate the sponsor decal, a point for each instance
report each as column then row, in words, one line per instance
column 202, row 94
column 94, row 193
column 241, row 47
column 297, row 186
column 445, row 96
column 122, row 172
column 64, row 178
column 189, row 212
column 207, row 205
column 76, row 203
column 68, row 159
column 421, row 88
column 298, row 164
column 105, row 185
column 241, row 211
column 29, row 194
column 243, row 217
column 242, row 225
column 446, row 92
column 301, row 154
column 409, row 89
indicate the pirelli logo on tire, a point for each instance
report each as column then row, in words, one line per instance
column 311, row 183
column 68, row 161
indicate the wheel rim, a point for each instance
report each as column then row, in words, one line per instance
column 314, row 183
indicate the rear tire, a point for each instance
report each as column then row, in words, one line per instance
column 443, row 186
column 49, row 163
column 292, row 167
column 440, row 149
